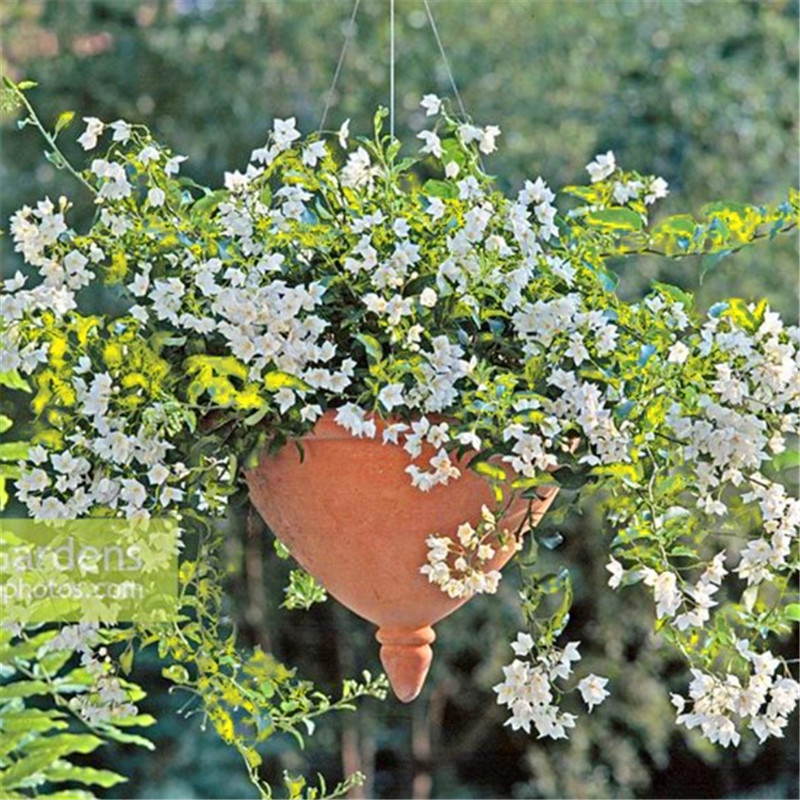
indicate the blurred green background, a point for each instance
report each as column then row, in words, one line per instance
column 702, row 93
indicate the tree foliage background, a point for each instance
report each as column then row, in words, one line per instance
column 703, row 93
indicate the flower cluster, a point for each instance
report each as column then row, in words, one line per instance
column 529, row 689
column 106, row 697
column 460, row 565
column 720, row 707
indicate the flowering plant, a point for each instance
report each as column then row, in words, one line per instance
column 332, row 274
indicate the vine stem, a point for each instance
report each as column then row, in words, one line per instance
column 63, row 162
column 651, row 251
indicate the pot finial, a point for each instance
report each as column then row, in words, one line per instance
column 406, row 656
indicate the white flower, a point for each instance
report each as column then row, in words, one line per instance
column 469, row 133
column 436, row 207
column 577, row 349
column 157, row 474
column 156, row 196
column 391, row 396
column 617, row 572
column 392, row 432
column 592, row 690
column 400, row 227
column 678, row 353
column 432, row 105
column 285, row 398
column 311, row 413
column 428, row 298
column 568, row 655
column 171, row 494
column 148, row 154
column 487, row 143
column 665, row 590
column 122, row 131
column 523, row 644
column 451, row 170
column 623, row 192
column 602, row 166
column 658, row 189
column 358, row 171
column 133, row 493
column 14, row 284
column 140, row 284
column 284, row 132
column 433, row 144
column 94, row 128
column 354, row 419
column 173, row 165
column 343, row 134
column 313, row 153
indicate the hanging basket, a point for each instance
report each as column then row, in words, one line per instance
column 348, row 513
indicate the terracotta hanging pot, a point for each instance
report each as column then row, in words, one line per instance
column 348, row 513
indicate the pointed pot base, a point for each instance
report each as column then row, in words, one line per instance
column 406, row 656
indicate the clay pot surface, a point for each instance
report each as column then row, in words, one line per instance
column 349, row 515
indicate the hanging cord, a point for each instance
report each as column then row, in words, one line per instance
column 445, row 59
column 391, row 69
column 347, row 37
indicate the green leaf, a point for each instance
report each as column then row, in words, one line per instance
column 616, row 219
column 205, row 366
column 552, row 583
column 110, row 732
column 303, row 591
column 372, row 347
column 678, row 225
column 588, row 193
column 283, row 380
column 488, row 470
column 443, row 189
column 682, row 551
column 788, row 459
column 176, row 673
column 740, row 312
column 63, row 744
column 792, row 612
column 23, row 688
column 10, row 471
column 645, row 353
column 64, row 119
column 85, row 775
column 13, row 380
column 207, row 205
column 136, row 721
column 256, row 416
column 281, row 550
column 5, row 423
column 675, row 293
column 14, row 451
column 25, row 768
column 710, row 262
column 126, row 661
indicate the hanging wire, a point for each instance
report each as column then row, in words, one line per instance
column 349, row 33
column 445, row 59
column 347, row 37
column 391, row 69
